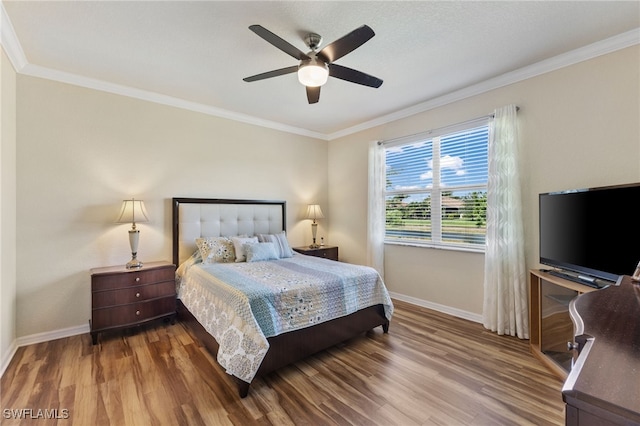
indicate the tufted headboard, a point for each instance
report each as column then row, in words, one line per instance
column 212, row 217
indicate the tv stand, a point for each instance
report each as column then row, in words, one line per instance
column 550, row 324
column 581, row 279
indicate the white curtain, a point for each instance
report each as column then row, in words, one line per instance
column 505, row 309
column 376, row 219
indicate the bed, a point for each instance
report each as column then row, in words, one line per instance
column 272, row 309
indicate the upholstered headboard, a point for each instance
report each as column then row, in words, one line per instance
column 206, row 217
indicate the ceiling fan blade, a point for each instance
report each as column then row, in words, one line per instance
column 313, row 94
column 278, row 42
column 348, row 43
column 274, row 73
column 354, row 76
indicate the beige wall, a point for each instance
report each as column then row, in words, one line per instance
column 580, row 127
column 7, row 209
column 81, row 152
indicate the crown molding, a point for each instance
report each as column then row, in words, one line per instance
column 17, row 57
column 603, row 47
column 105, row 86
column 13, row 49
column 10, row 42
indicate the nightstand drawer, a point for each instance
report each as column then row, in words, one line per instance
column 133, row 313
column 327, row 252
column 102, row 299
column 109, row 281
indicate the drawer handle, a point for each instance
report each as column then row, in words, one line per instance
column 137, row 279
column 137, row 294
column 137, row 312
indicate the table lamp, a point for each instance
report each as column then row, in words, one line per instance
column 133, row 211
column 314, row 212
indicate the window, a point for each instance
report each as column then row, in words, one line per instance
column 436, row 188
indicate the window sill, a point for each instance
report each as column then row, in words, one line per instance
column 434, row 246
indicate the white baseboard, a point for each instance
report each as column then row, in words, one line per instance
column 7, row 357
column 39, row 338
column 52, row 335
column 438, row 307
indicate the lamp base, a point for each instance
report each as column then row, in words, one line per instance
column 134, row 236
column 133, row 263
column 314, row 232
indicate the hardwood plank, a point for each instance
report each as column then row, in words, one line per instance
column 431, row 369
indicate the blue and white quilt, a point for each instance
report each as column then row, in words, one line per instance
column 242, row 304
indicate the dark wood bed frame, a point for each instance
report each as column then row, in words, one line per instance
column 289, row 347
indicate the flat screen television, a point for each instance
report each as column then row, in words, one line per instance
column 593, row 233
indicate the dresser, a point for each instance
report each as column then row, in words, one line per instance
column 603, row 387
column 328, row 252
column 122, row 298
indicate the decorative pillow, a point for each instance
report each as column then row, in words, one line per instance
column 238, row 243
column 280, row 241
column 260, row 251
column 216, row 249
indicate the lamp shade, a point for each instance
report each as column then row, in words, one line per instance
column 313, row 73
column 314, row 212
column 133, row 211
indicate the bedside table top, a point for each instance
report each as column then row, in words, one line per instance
column 123, row 269
column 307, row 248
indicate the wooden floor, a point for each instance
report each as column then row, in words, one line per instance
column 431, row 369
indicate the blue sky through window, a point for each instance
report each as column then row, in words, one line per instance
column 463, row 162
column 408, row 166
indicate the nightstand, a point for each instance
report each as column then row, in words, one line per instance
column 328, row 252
column 123, row 298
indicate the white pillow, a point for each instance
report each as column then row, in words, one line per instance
column 238, row 243
column 280, row 241
column 260, row 251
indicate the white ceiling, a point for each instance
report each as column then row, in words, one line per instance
column 195, row 54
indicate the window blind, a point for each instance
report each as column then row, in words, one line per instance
column 436, row 188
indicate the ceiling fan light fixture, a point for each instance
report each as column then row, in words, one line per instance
column 316, row 66
column 313, row 72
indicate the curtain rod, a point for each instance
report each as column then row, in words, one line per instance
column 494, row 115
column 428, row 132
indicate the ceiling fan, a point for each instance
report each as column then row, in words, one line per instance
column 316, row 66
